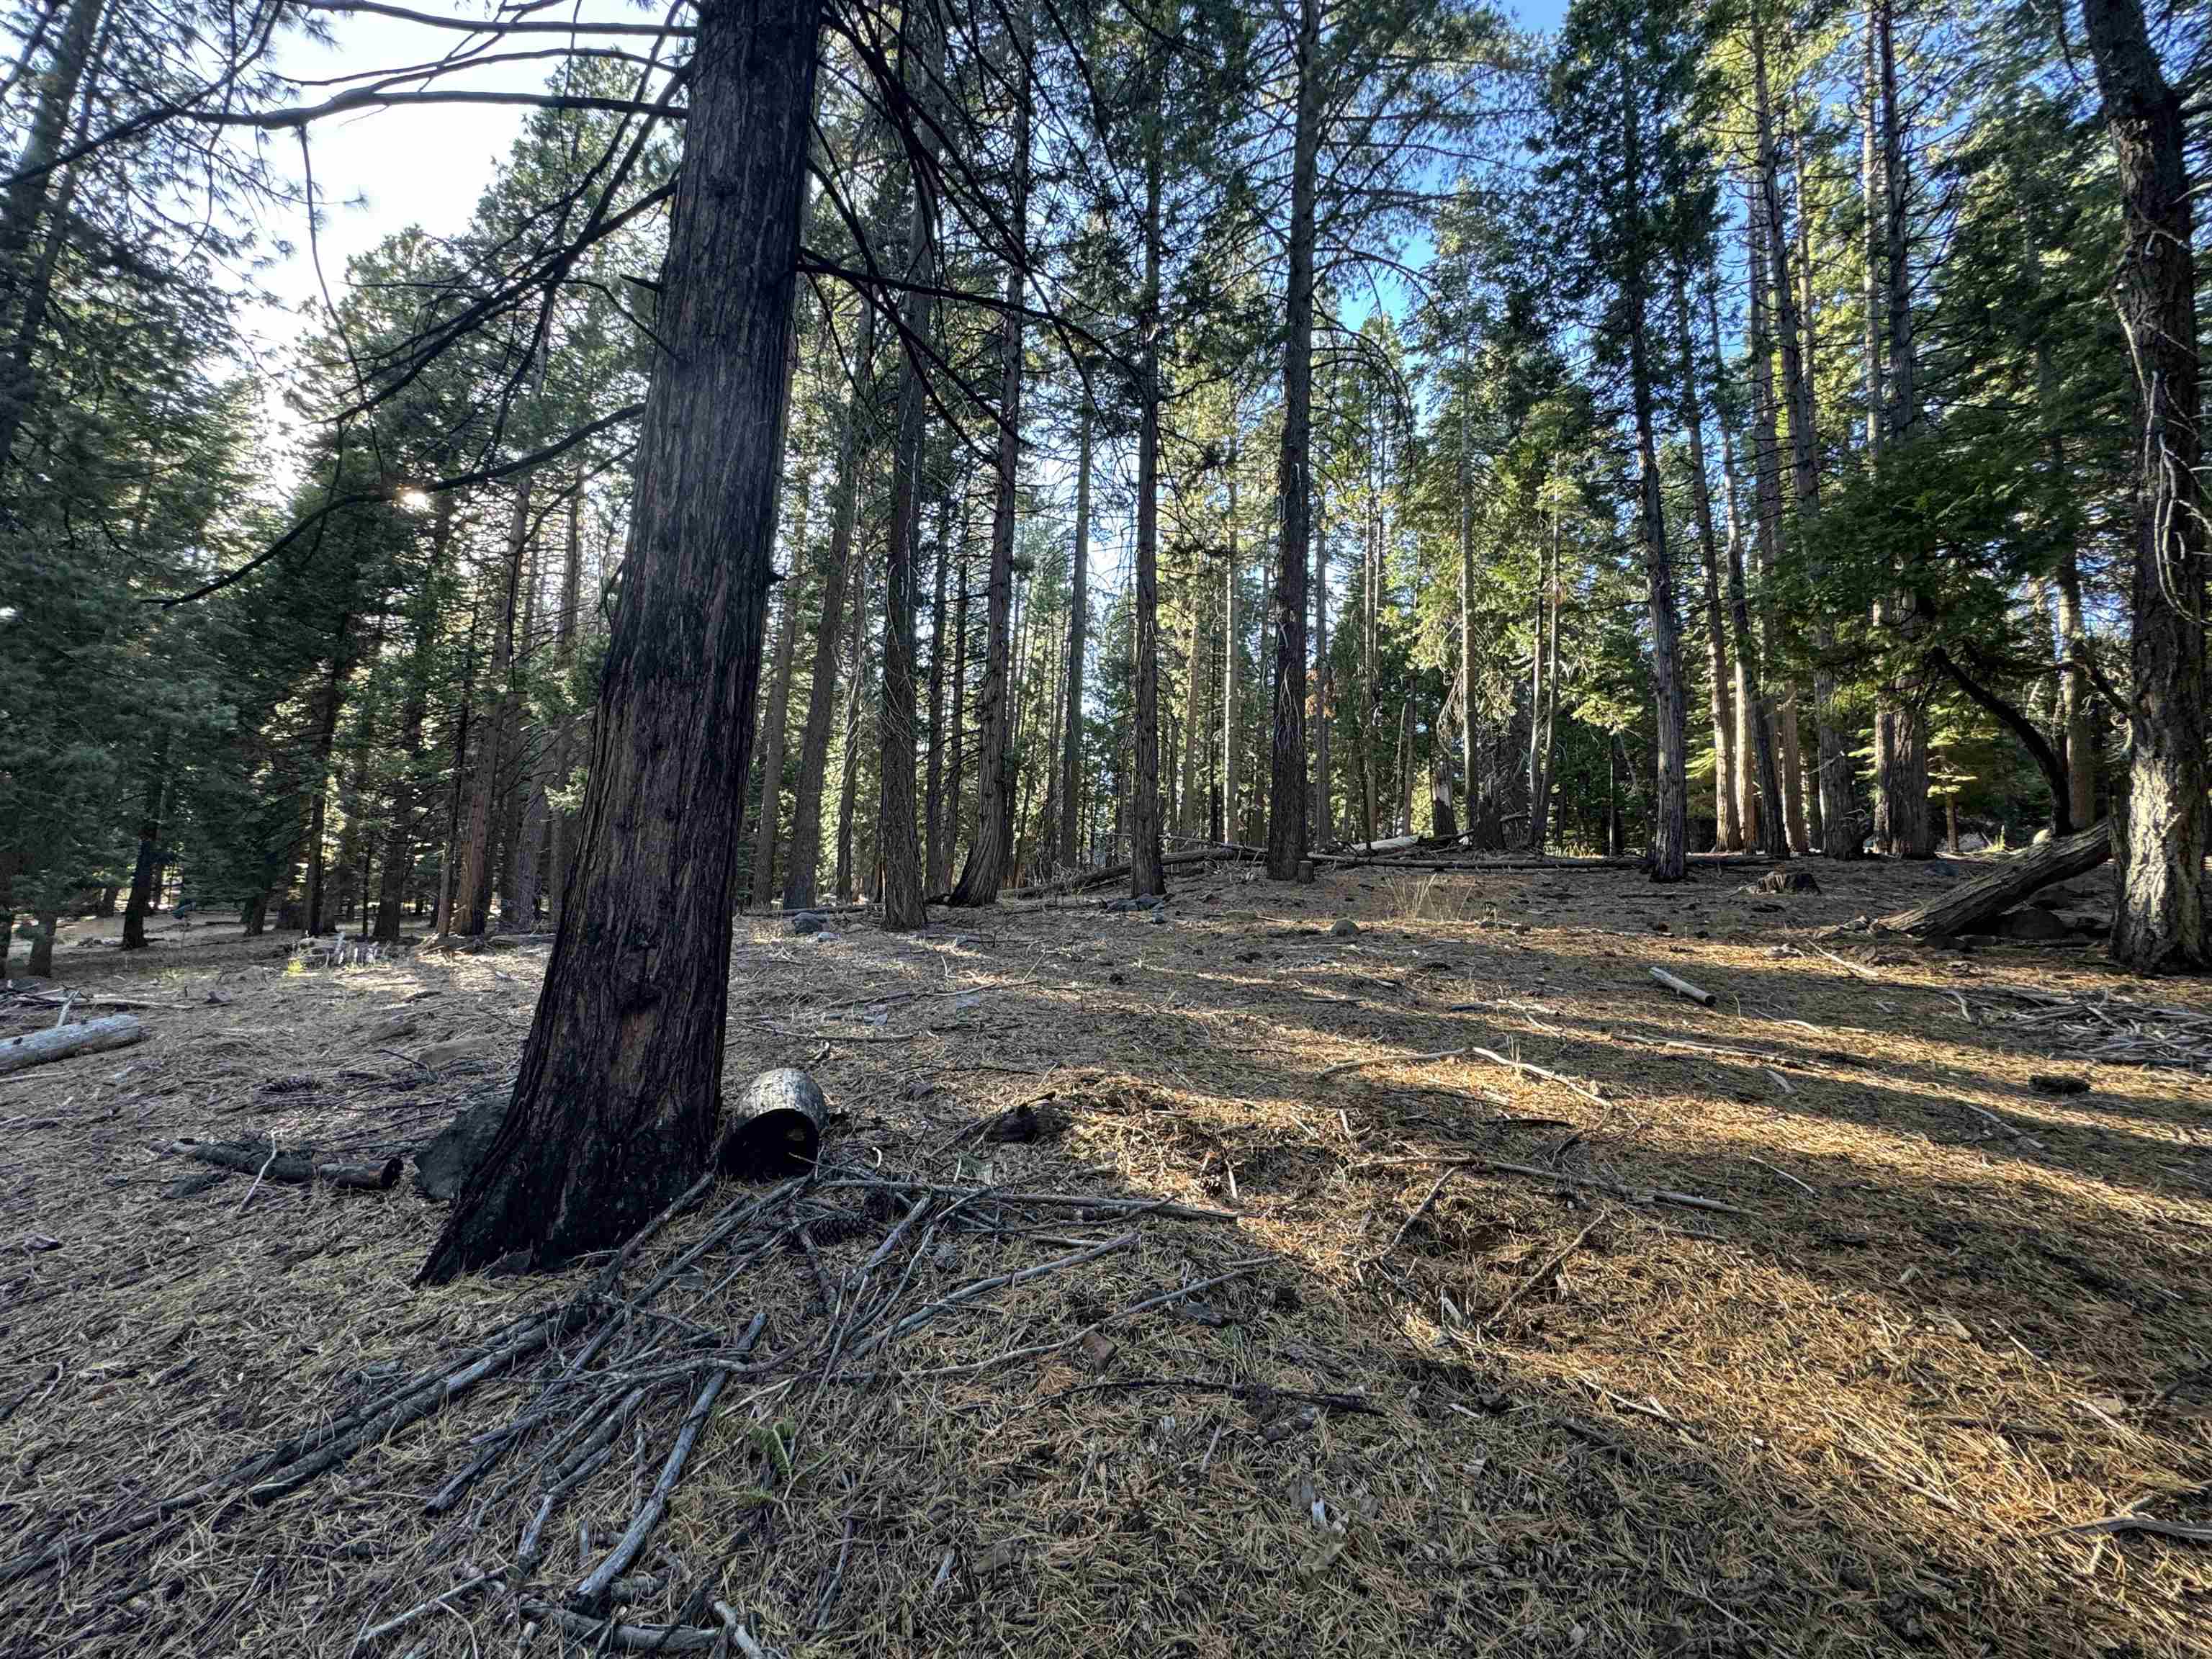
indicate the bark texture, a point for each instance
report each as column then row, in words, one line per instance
column 614, row 1111
column 1286, row 792
column 2159, row 921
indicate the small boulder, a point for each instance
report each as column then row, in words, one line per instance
column 1346, row 928
column 807, row 922
column 2031, row 922
column 479, row 1049
column 394, row 1027
column 457, row 1149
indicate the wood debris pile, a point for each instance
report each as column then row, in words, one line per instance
column 2108, row 1026
column 620, row 1366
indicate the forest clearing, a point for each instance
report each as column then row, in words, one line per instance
column 1931, row 1325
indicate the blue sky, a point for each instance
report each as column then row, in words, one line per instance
column 381, row 172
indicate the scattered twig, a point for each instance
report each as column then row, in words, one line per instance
column 1391, row 1060
column 1543, row 1273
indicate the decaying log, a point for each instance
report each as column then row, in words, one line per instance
column 1972, row 902
column 294, row 1168
column 60, row 1042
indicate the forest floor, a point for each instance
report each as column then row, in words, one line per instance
column 1459, row 1371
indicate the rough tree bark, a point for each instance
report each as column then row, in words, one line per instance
column 1760, row 814
column 496, row 739
column 1079, row 616
column 936, row 859
column 829, row 627
column 897, row 841
column 1767, row 482
column 1728, row 825
column 1962, row 908
column 849, row 770
column 1286, row 792
column 992, row 853
column 1147, row 876
column 775, row 724
column 614, row 1111
column 1229, row 703
column 149, row 841
column 1670, row 832
column 561, row 837
column 404, row 802
column 1839, row 836
column 1904, row 826
column 2159, row 921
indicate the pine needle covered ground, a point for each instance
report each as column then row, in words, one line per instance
column 1806, row 1323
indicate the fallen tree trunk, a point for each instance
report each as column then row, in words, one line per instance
column 1476, row 865
column 294, row 1169
column 60, row 1042
column 1106, row 877
column 1987, row 895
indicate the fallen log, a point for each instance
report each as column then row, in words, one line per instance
column 1973, row 901
column 60, row 1042
column 1682, row 987
column 1082, row 880
column 294, row 1169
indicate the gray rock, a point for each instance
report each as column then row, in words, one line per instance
column 446, row 1162
column 2031, row 922
column 1345, row 927
column 439, row 1055
column 807, row 922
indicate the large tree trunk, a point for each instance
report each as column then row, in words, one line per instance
column 1286, row 790
column 330, row 704
column 404, row 800
column 830, row 626
column 775, row 718
column 1079, row 616
column 1147, row 876
column 955, row 815
column 1760, row 814
column 989, row 858
column 1840, row 834
column 614, row 1111
column 1195, row 721
column 498, row 743
column 1544, row 692
column 149, row 841
column 1976, row 901
column 849, row 770
column 1230, row 736
column 1871, row 242
column 1728, row 825
column 1322, row 824
column 562, row 838
column 1905, row 827
column 936, row 857
column 897, row 841
column 1767, row 481
column 527, row 808
column 2159, row 921
column 1669, row 832
column 2076, row 727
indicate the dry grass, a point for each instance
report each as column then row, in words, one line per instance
column 1852, row 1419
